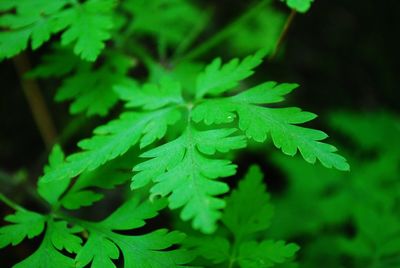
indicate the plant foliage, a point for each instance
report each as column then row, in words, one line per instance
column 84, row 25
column 102, row 243
column 180, row 168
column 371, row 188
column 175, row 138
column 248, row 212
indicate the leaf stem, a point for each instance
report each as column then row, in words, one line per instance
column 162, row 49
column 224, row 33
column 36, row 102
column 236, row 242
column 283, row 34
column 10, row 203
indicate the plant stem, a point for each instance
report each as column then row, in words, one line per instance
column 161, row 49
column 232, row 258
column 10, row 203
column 36, row 101
column 283, row 34
column 223, row 34
column 194, row 33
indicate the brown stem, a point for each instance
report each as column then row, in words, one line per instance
column 283, row 33
column 36, row 101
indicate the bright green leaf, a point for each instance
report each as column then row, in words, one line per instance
column 299, row 5
column 52, row 191
column 47, row 255
column 246, row 216
column 281, row 123
column 181, row 170
column 218, row 78
column 148, row 250
column 113, row 140
column 24, row 224
column 150, row 96
column 86, row 24
column 63, row 237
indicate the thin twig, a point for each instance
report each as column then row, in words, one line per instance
column 36, row 101
column 283, row 33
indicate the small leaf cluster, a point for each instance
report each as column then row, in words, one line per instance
column 97, row 243
column 246, row 217
column 86, row 25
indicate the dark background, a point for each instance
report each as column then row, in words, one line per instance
column 343, row 53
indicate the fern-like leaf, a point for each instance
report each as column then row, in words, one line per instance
column 24, row 224
column 182, row 170
column 258, row 122
column 218, row 78
column 46, row 256
column 243, row 219
column 146, row 250
column 113, row 140
column 87, row 25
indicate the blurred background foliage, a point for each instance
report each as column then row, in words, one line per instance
column 342, row 53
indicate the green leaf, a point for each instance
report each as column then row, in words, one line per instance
column 243, row 221
column 33, row 20
column 299, row 5
column 52, row 191
column 150, row 96
column 99, row 256
column 148, row 250
column 115, row 139
column 84, row 198
column 265, row 254
column 106, row 177
column 124, row 219
column 24, row 224
column 247, row 214
column 281, row 123
column 91, row 92
column 61, row 61
column 91, row 87
column 181, row 170
column 371, row 188
column 87, row 25
column 218, row 78
column 47, row 255
column 63, row 237
column 12, row 43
